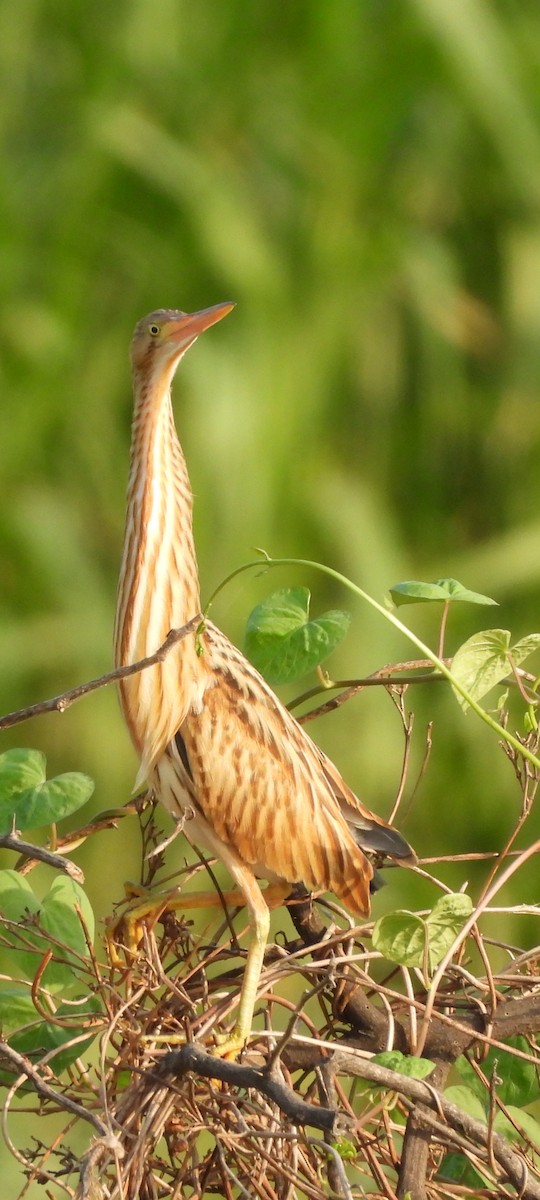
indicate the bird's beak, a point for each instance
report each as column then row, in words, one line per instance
column 192, row 324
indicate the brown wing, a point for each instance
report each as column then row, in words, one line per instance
column 267, row 790
column 371, row 832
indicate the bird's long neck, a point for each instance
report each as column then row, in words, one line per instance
column 159, row 587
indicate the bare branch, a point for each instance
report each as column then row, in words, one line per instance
column 13, row 841
column 66, row 699
column 387, row 676
column 25, row 1069
column 193, row 1058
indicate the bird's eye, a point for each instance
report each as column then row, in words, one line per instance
column 153, row 330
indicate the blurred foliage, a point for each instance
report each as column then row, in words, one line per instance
column 364, row 180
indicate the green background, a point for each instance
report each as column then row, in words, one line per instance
column 363, row 178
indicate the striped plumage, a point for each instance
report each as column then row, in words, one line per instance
column 210, row 733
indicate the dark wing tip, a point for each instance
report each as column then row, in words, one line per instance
column 381, row 839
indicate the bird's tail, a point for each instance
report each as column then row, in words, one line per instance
column 355, row 886
column 379, row 838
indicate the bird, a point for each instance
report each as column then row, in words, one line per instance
column 213, row 739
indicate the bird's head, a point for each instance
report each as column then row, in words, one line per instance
column 161, row 338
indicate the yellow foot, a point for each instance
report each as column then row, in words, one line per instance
column 224, row 1045
column 127, row 930
column 229, row 1045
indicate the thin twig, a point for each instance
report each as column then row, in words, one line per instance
column 62, row 702
column 25, row 1068
column 463, row 934
column 13, row 841
column 384, row 677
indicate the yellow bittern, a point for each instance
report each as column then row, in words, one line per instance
column 211, row 735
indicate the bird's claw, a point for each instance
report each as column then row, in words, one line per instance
column 229, row 1045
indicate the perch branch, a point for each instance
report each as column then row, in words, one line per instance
column 12, row 841
column 193, row 1058
column 62, row 702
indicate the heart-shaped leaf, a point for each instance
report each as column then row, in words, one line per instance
column 283, row 643
column 33, row 928
column 444, row 923
column 401, row 937
column 28, row 799
column 414, row 591
column 486, row 658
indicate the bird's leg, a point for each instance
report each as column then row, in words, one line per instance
column 259, row 921
column 152, row 907
column 127, row 930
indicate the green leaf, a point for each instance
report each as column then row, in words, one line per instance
column 483, row 660
column 406, row 1064
column 16, row 1008
column 16, row 896
column 527, row 1123
column 59, row 918
column 414, row 591
column 20, row 769
column 481, row 663
column 519, row 1084
column 526, row 645
column 28, row 799
column 456, row 591
column 43, row 1036
column 345, row 1148
column 457, row 1169
column 470, row 1077
column 401, row 937
column 52, row 925
column 444, row 922
column 467, row 1100
column 283, row 643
